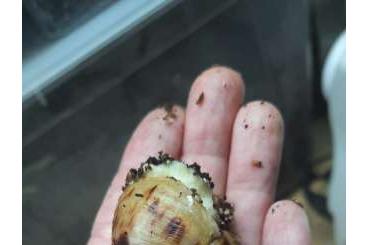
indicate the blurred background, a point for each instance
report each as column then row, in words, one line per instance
column 93, row 69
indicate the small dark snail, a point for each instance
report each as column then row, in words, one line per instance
column 166, row 201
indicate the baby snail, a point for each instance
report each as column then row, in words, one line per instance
column 166, row 201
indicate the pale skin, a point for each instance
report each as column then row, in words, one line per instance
column 240, row 147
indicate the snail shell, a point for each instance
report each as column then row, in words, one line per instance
column 169, row 202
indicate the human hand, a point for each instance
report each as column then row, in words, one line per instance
column 240, row 147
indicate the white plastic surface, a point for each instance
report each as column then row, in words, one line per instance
column 334, row 90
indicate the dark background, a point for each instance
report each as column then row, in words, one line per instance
column 72, row 141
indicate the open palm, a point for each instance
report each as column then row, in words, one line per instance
column 240, row 147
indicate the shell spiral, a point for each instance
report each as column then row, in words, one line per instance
column 168, row 202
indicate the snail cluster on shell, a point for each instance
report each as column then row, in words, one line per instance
column 166, row 201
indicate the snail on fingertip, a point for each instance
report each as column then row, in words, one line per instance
column 166, row 201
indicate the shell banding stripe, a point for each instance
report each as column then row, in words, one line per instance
column 224, row 210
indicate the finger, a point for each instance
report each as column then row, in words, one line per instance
column 286, row 224
column 158, row 131
column 213, row 102
column 254, row 163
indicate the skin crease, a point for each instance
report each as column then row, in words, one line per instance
column 239, row 146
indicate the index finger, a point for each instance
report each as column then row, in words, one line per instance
column 157, row 132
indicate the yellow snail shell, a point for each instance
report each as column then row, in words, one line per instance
column 169, row 202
